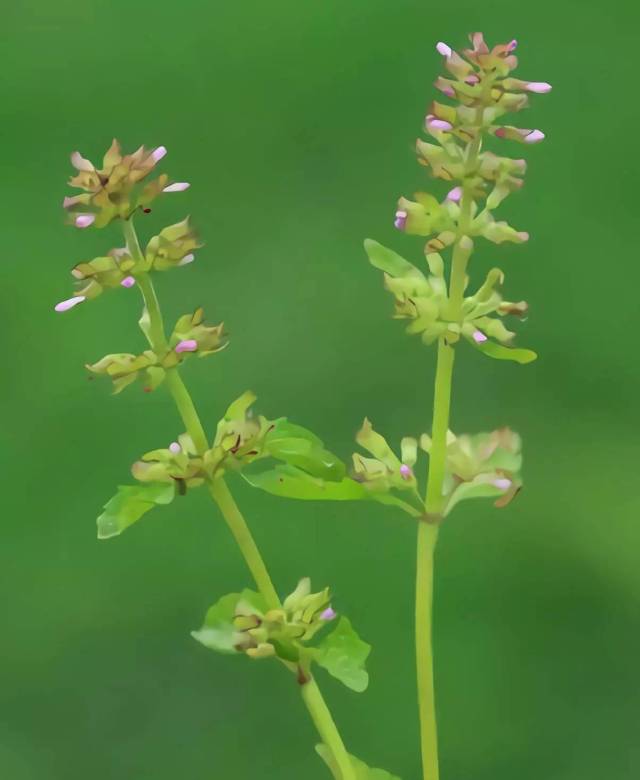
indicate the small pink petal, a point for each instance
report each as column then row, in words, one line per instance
column 128, row 281
column 512, row 45
column 175, row 448
column 472, row 79
column 438, row 124
column 328, row 614
column 84, row 220
column 79, row 162
column 188, row 345
column 502, row 484
column 449, row 91
column 500, row 132
column 70, row 303
column 479, row 337
column 405, row 471
column 541, row 87
column 400, row 221
column 179, row 186
column 187, row 259
column 443, row 49
column 158, row 153
column 455, row 194
column 534, row 137
column 523, row 235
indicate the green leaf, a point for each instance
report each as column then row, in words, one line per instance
column 362, row 771
column 291, row 482
column 299, row 447
column 343, row 654
column 392, row 263
column 500, row 352
column 130, row 503
column 218, row 631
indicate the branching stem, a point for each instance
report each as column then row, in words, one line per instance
column 221, row 495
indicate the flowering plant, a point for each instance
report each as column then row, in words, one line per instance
column 303, row 631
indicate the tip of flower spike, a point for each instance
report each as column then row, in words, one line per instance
column 84, row 220
column 479, row 337
column 540, row 87
column 70, row 303
column 187, row 345
column 175, row 448
column 179, row 186
column 128, row 281
column 400, row 221
column 405, row 471
column 534, row 137
column 502, row 484
column 328, row 614
column 455, row 194
column 443, row 49
column 158, row 153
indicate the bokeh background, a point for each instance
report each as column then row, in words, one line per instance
column 295, row 123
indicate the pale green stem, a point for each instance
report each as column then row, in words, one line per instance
column 428, row 529
column 221, row 495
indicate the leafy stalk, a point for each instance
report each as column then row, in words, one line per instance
column 221, row 495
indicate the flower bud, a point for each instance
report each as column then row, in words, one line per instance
column 128, row 281
column 328, row 614
column 433, row 123
column 84, row 220
column 405, row 472
column 158, row 153
column 187, row 259
column 70, row 303
column 179, row 186
column 479, row 337
column 175, row 448
column 455, row 194
column 187, row 345
column 539, row 87
column 502, row 483
column 534, row 137
column 443, row 49
column 400, row 221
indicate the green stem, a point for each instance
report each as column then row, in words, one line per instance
column 221, row 495
column 327, row 728
column 428, row 530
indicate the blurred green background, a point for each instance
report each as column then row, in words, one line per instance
column 295, row 123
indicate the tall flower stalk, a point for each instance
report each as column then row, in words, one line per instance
column 258, row 623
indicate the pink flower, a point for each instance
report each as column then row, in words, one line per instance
column 175, row 448
column 328, row 614
column 158, row 153
column 187, row 259
column 502, row 484
column 187, row 345
column 128, row 281
column 405, row 472
column 479, row 337
column 437, row 124
column 400, row 221
column 179, row 186
column 70, row 303
column 512, row 45
column 443, row 49
column 534, row 137
column 540, row 87
column 84, row 220
column 455, row 194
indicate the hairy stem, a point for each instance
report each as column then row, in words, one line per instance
column 221, row 495
column 428, row 531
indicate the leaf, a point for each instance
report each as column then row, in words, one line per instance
column 343, row 654
column 500, row 352
column 362, row 771
column 218, row 631
column 299, row 447
column 291, row 482
column 391, row 262
column 130, row 503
